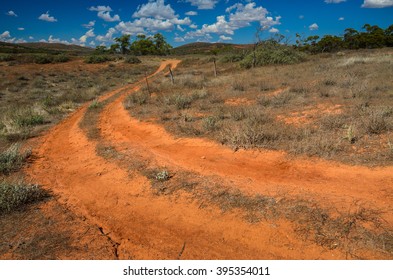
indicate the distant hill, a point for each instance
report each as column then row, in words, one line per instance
column 58, row 47
column 204, row 48
column 53, row 48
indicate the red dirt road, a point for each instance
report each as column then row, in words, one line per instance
column 146, row 226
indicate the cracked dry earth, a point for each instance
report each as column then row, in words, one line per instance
column 140, row 224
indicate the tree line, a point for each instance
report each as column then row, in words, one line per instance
column 142, row 45
column 371, row 37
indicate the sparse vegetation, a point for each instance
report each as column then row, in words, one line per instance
column 92, row 59
column 321, row 107
column 43, row 58
column 162, row 176
column 132, row 60
column 17, row 195
column 12, row 159
column 6, row 57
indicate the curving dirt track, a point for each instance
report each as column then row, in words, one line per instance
column 142, row 225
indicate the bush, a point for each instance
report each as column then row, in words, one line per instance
column 270, row 53
column 6, row 57
column 132, row 60
column 139, row 98
column 43, row 59
column 11, row 159
column 210, row 123
column 98, row 59
column 162, row 176
column 61, row 58
column 377, row 121
column 15, row 195
column 95, row 104
column 233, row 58
column 26, row 118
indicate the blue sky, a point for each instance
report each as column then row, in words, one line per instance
column 97, row 22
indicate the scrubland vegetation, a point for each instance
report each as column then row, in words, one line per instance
column 33, row 99
column 334, row 106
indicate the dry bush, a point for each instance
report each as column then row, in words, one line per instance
column 18, row 194
column 12, row 159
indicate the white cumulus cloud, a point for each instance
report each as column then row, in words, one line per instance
column 154, row 16
column 239, row 16
column 225, row 38
column 100, row 9
column 21, row 28
column 108, row 37
column 191, row 13
column 203, row 4
column 54, row 40
column 47, row 17
column 5, row 35
column 104, row 12
column 107, row 16
column 274, row 30
column 11, row 14
column 377, row 3
column 87, row 35
column 155, row 9
column 313, row 26
column 90, row 24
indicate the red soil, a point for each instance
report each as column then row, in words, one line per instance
column 148, row 226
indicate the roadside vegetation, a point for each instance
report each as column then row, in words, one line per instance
column 32, row 99
column 333, row 106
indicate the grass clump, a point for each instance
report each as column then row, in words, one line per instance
column 139, row 98
column 19, row 123
column 180, row 101
column 162, row 176
column 16, row 195
column 27, row 117
column 95, row 104
column 11, row 159
column 210, row 123
column 132, row 60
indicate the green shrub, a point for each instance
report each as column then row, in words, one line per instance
column 95, row 104
column 61, row 58
column 132, row 60
column 233, row 58
column 210, row 123
column 162, row 176
column 15, row 195
column 6, row 57
column 270, row 53
column 43, row 58
column 26, row 117
column 98, row 59
column 139, row 98
column 11, row 159
column 180, row 101
column 377, row 121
